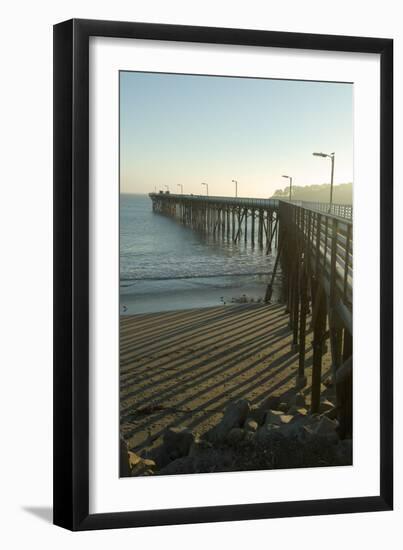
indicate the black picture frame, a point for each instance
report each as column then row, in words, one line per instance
column 71, row 273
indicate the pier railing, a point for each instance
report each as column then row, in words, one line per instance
column 230, row 201
column 340, row 210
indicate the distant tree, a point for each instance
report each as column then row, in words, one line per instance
column 342, row 193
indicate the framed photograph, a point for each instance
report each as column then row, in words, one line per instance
column 223, row 235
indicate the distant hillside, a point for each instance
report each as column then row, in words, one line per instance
column 342, row 194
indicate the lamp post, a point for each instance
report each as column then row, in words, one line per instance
column 331, row 157
column 181, row 186
column 206, row 184
column 236, row 187
column 289, row 178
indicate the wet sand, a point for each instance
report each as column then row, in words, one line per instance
column 182, row 368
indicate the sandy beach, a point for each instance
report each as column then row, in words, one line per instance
column 181, row 368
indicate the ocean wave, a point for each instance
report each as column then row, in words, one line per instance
column 198, row 276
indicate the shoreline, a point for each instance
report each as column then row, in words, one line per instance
column 190, row 293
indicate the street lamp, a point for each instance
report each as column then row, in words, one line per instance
column 236, row 187
column 181, row 186
column 289, row 178
column 331, row 157
column 206, row 184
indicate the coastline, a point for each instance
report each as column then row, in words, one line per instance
column 153, row 296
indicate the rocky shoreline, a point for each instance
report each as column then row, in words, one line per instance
column 275, row 434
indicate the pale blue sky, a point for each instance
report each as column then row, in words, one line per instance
column 190, row 129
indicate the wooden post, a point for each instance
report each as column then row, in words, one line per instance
column 319, row 330
column 302, row 323
column 253, row 226
column 295, row 310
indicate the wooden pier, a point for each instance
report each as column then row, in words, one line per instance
column 313, row 247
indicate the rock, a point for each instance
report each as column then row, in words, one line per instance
column 331, row 413
column 134, row 459
column 277, row 418
column 286, row 418
column 271, row 402
column 249, row 438
column 326, row 428
column 273, row 417
column 124, row 465
column 283, row 407
column 297, row 400
column 344, row 452
column 177, row 441
column 326, row 406
column 298, row 411
column 267, row 434
column 160, row 456
column 234, row 417
column 198, row 447
column 144, row 466
column 235, row 435
column 257, row 414
column 183, row 465
column 251, row 425
column 328, row 382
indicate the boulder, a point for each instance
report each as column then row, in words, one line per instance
column 124, row 465
column 271, row 402
column 251, row 425
column 297, row 400
column 198, row 447
column 326, row 406
column 267, row 434
column 234, row 417
column 344, row 451
column 295, row 411
column 235, row 436
column 160, row 456
column 277, row 418
column 258, row 413
column 183, row 465
column 177, row 441
column 144, row 466
column 326, row 428
column 283, row 407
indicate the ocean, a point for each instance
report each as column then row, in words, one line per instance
column 166, row 266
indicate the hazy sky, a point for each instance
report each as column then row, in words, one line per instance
column 192, row 129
